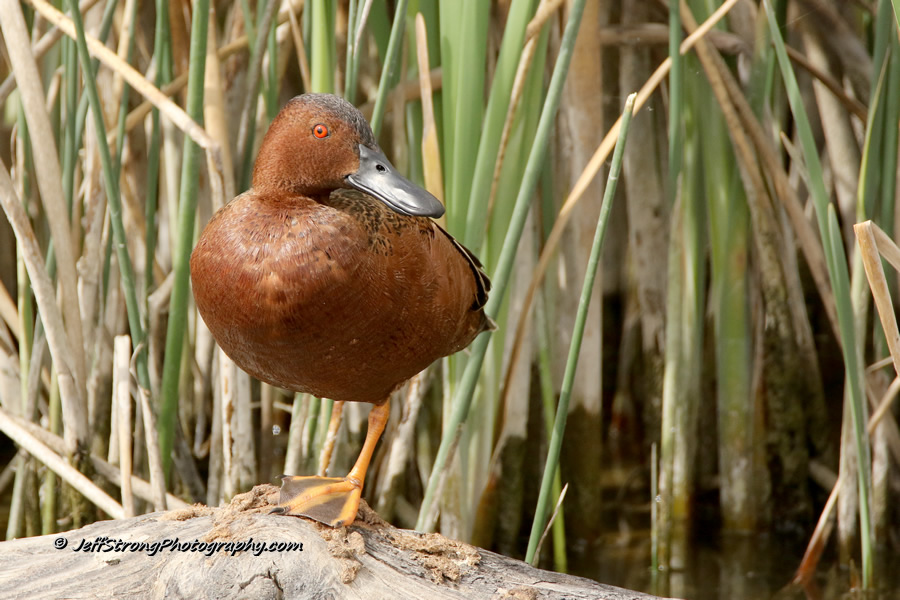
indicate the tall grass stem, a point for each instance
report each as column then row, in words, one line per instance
column 562, row 409
column 184, row 241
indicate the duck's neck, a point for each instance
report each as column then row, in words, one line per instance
column 276, row 174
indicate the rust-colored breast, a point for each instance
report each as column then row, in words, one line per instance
column 342, row 298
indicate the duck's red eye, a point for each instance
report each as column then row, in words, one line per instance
column 320, row 131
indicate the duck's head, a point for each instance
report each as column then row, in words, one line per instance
column 319, row 143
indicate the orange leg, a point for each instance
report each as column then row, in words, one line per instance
column 328, row 446
column 334, row 501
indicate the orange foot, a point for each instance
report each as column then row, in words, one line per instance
column 333, row 501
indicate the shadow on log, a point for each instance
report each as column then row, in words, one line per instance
column 241, row 551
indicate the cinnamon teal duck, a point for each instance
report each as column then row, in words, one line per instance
column 329, row 277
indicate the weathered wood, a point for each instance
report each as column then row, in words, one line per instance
column 369, row 560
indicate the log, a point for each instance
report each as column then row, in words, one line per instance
column 242, row 551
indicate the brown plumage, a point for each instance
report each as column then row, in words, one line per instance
column 314, row 281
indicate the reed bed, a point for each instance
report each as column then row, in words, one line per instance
column 711, row 301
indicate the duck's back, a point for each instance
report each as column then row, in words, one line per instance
column 341, row 297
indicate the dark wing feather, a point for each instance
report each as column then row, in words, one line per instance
column 481, row 279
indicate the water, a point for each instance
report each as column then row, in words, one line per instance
column 731, row 568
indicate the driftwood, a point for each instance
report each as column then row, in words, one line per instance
column 225, row 553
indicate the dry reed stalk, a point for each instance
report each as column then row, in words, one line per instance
column 873, row 247
column 431, row 152
column 74, row 409
column 227, row 384
column 122, row 399
column 49, row 182
column 58, row 465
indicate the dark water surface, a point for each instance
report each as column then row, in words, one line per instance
column 735, row 568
